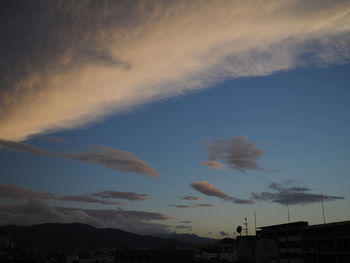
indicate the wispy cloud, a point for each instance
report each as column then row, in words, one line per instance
column 121, row 195
column 290, row 193
column 191, row 198
column 192, row 206
column 38, row 211
column 19, row 193
column 209, row 189
column 183, row 227
column 186, row 222
column 205, row 205
column 214, row 165
column 119, row 54
column 236, row 153
column 99, row 155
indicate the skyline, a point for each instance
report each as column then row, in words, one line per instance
column 162, row 117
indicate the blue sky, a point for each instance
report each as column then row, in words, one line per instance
column 292, row 107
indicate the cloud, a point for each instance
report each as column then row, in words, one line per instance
column 186, row 222
column 183, row 206
column 287, row 193
column 205, row 205
column 183, row 227
column 192, row 206
column 85, row 199
column 236, row 153
column 209, row 189
column 18, row 193
column 191, row 198
column 214, row 165
column 99, row 155
column 223, row 233
column 71, row 63
column 37, row 212
column 121, row 195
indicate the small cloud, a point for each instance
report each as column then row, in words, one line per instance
column 192, row 206
column 183, row 206
column 209, row 189
column 235, row 152
column 205, row 205
column 121, row 195
column 186, row 222
column 214, row 165
column 183, row 227
column 99, row 155
column 192, row 198
column 223, row 233
column 288, row 193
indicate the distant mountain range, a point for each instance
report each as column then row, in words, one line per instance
column 81, row 235
column 189, row 238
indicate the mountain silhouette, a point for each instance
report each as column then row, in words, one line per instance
column 81, row 235
column 189, row 238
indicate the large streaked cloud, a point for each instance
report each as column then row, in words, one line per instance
column 38, row 211
column 99, row 155
column 209, row 189
column 289, row 193
column 235, row 152
column 19, row 193
column 65, row 64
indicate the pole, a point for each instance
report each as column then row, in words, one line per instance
column 324, row 218
column 288, row 210
column 246, row 226
column 255, row 220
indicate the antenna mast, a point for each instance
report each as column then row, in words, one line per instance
column 255, row 220
column 288, row 210
column 324, row 218
column 246, row 226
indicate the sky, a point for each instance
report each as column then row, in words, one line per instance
column 186, row 117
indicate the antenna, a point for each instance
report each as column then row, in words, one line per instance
column 324, row 218
column 288, row 210
column 255, row 220
column 246, row 226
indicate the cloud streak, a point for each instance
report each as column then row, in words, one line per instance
column 99, row 155
column 191, row 198
column 18, row 193
column 192, row 206
column 209, row 189
column 288, row 193
column 122, row 54
column 236, row 153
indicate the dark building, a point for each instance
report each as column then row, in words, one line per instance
column 153, row 255
column 298, row 242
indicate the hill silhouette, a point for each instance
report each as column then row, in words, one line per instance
column 81, row 235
